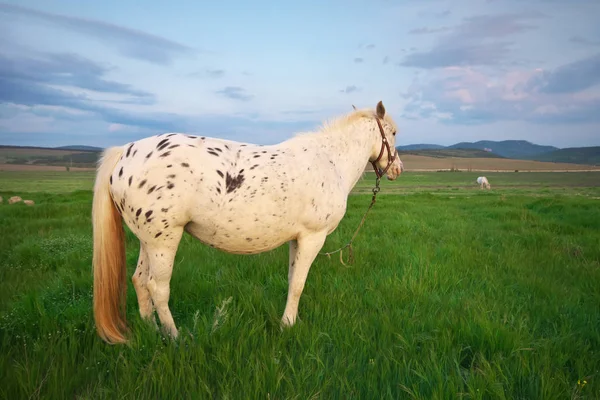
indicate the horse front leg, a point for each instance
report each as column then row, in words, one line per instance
column 306, row 249
column 292, row 258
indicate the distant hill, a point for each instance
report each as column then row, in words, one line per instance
column 506, row 148
column 79, row 148
column 574, row 155
column 448, row 152
column 420, row 147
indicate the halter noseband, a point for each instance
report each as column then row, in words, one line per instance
column 384, row 145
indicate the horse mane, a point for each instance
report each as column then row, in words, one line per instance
column 340, row 122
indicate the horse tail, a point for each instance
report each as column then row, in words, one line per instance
column 110, row 284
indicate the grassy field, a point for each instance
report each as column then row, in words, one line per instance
column 455, row 293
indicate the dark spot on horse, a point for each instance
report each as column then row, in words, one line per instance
column 172, row 147
column 148, row 213
column 191, row 145
column 170, row 185
column 220, row 173
column 142, row 183
column 134, row 153
column 165, row 154
column 171, row 176
column 213, row 153
column 121, row 172
column 191, row 137
column 155, row 236
column 163, row 146
column 232, row 183
column 161, row 143
column 110, row 180
column 129, row 150
column 219, row 190
column 139, row 211
column 256, row 156
column 218, row 149
column 151, row 189
column 130, row 179
column 322, row 184
column 184, row 164
column 249, row 239
column 227, row 147
column 148, row 155
column 327, row 217
column 254, row 166
column 164, row 209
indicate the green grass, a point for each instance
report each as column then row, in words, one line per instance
column 486, row 295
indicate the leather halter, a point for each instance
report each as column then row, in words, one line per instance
column 384, row 145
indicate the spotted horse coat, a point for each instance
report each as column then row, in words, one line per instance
column 238, row 197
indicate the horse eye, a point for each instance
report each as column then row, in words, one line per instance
column 394, row 133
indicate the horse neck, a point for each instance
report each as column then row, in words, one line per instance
column 350, row 148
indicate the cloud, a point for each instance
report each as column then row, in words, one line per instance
column 584, row 41
column 63, row 69
column 358, row 60
column 461, row 55
column 386, row 60
column 424, row 31
column 235, row 93
column 434, row 14
column 350, row 89
column 22, row 127
column 572, row 77
column 473, row 42
column 129, row 42
column 466, row 96
column 210, row 73
column 45, row 83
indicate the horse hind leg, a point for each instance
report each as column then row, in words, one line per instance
column 161, row 255
column 303, row 252
column 140, row 283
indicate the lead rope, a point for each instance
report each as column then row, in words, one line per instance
column 349, row 244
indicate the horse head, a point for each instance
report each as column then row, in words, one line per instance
column 385, row 159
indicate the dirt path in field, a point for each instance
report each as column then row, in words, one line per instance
column 22, row 167
column 509, row 170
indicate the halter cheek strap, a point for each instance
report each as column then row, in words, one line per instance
column 384, row 146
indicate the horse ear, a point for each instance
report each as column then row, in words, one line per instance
column 380, row 110
column 353, row 106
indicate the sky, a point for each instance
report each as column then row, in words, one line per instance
column 106, row 73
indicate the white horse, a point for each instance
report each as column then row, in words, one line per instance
column 240, row 198
column 482, row 181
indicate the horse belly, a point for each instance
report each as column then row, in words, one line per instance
column 240, row 238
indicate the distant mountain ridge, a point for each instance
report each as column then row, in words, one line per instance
column 507, row 148
column 79, row 148
column 576, row 155
column 421, row 146
column 504, row 148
